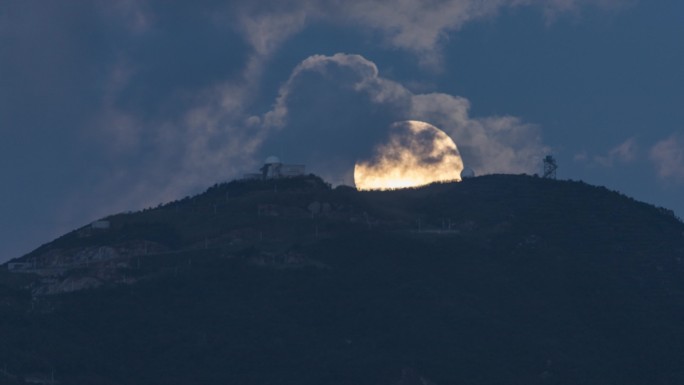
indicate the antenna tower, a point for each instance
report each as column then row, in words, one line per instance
column 550, row 167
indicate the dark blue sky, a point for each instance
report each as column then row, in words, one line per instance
column 108, row 107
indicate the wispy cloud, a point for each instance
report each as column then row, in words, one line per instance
column 623, row 153
column 667, row 157
column 414, row 26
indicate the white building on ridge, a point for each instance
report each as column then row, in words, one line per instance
column 273, row 168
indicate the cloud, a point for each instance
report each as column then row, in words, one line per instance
column 667, row 157
column 413, row 26
column 496, row 144
column 625, row 152
column 151, row 100
column 212, row 128
column 157, row 161
column 265, row 32
column 360, row 105
column 418, row 27
column 581, row 157
column 554, row 8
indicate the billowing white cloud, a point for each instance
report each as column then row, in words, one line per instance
column 215, row 137
column 668, row 158
column 488, row 145
column 90, row 71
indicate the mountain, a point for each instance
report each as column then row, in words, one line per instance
column 500, row 279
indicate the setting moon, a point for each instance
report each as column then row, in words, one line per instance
column 416, row 154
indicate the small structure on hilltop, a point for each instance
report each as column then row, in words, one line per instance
column 467, row 173
column 550, row 167
column 273, row 168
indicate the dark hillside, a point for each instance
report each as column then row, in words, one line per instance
column 496, row 280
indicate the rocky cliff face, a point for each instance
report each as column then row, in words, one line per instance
column 61, row 270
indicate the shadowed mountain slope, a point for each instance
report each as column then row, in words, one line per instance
column 496, row 280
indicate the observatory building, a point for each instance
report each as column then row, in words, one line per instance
column 273, row 168
column 467, row 173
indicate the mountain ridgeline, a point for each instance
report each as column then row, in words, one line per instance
column 500, row 279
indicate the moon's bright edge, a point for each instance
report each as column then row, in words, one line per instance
column 416, row 154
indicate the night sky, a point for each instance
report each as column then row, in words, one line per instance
column 111, row 106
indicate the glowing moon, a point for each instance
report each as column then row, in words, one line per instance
column 416, row 154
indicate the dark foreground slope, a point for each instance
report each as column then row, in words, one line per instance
column 496, row 280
